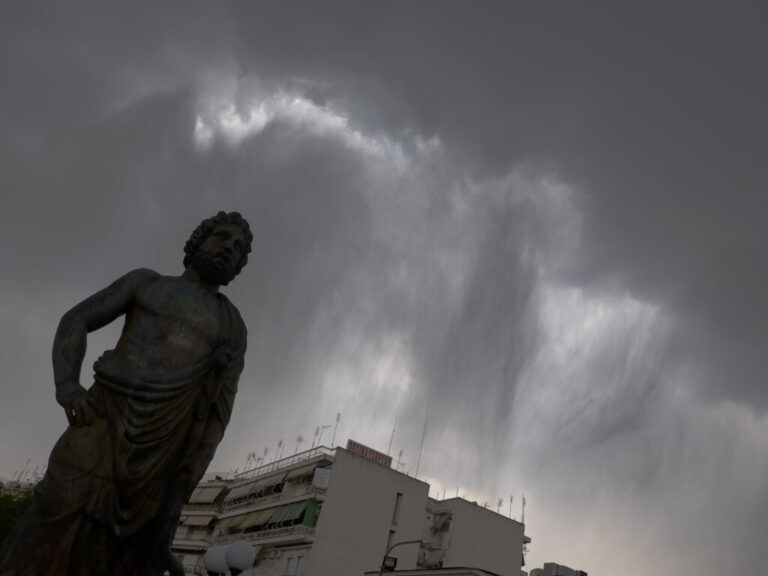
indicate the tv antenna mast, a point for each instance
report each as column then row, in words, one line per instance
column 299, row 440
column 522, row 519
column 399, row 461
column 424, row 432
column 277, row 452
column 249, row 460
column 338, row 419
column 322, row 429
column 394, row 426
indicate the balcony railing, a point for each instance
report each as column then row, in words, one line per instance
column 291, row 493
column 202, row 507
column 297, row 532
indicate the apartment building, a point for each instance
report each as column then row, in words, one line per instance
column 335, row 512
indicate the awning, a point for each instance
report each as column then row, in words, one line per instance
column 288, row 512
column 231, row 522
column 238, row 491
column 274, row 480
column 205, row 494
column 302, row 471
column 310, row 514
column 257, row 518
column 254, row 486
column 197, row 520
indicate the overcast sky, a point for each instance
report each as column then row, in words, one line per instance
column 536, row 227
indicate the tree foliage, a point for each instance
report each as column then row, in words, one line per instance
column 12, row 507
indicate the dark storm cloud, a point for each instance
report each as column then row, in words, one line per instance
column 657, row 114
column 536, row 227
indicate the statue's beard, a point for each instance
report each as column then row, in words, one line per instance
column 210, row 270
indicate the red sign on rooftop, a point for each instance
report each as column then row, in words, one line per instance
column 369, row 453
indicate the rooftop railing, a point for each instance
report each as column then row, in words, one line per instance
column 257, row 471
column 310, row 454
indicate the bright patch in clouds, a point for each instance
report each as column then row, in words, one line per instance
column 597, row 360
column 233, row 118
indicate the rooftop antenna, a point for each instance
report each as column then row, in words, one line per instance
column 421, row 447
column 322, row 429
column 511, row 497
column 399, row 461
column 277, row 452
column 522, row 519
column 424, row 432
column 338, row 419
column 317, row 432
column 443, row 498
column 394, row 426
column 249, row 461
column 457, row 491
column 299, row 440
column 498, row 508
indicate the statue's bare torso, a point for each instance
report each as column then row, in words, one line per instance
column 171, row 325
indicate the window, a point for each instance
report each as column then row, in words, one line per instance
column 396, row 511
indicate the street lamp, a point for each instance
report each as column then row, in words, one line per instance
column 236, row 558
column 386, row 554
column 215, row 560
column 240, row 556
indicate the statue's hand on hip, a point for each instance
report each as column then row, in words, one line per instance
column 77, row 404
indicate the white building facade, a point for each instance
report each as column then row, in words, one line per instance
column 335, row 513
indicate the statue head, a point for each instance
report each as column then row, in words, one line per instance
column 218, row 248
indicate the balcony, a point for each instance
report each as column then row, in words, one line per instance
column 290, row 493
column 290, row 535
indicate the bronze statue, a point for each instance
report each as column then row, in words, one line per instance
column 141, row 437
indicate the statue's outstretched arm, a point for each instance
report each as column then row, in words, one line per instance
column 71, row 337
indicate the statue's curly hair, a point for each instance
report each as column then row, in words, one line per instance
column 208, row 225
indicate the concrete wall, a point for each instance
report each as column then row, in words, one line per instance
column 354, row 524
column 482, row 538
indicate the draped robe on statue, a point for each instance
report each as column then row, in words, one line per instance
column 99, row 508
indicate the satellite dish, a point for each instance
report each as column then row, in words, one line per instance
column 240, row 555
column 215, row 559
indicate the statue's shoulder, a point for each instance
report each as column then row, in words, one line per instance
column 234, row 319
column 143, row 275
column 134, row 280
